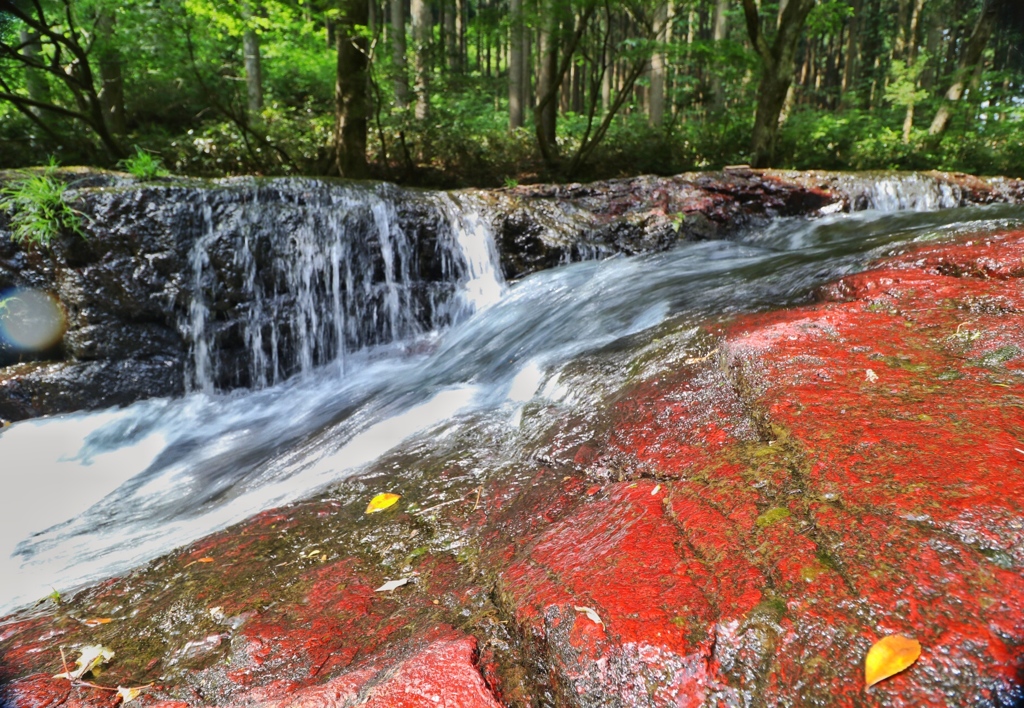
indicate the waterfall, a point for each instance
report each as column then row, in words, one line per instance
column 281, row 287
column 899, row 192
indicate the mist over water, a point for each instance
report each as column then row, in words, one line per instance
column 90, row 495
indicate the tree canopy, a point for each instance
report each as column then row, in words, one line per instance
column 486, row 91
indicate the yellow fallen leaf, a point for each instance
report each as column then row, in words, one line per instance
column 130, row 693
column 206, row 559
column 382, row 502
column 127, row 695
column 889, row 656
column 96, row 621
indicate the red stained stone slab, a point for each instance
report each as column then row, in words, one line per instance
column 442, row 674
column 910, row 468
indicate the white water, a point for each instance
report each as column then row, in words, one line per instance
column 93, row 494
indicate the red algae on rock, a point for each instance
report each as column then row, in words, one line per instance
column 738, row 530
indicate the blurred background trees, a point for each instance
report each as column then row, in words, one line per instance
column 452, row 92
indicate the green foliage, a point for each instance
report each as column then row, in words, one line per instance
column 903, row 84
column 828, row 17
column 144, row 165
column 185, row 93
column 38, row 211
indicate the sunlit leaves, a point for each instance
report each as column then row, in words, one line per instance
column 903, row 81
column 889, row 656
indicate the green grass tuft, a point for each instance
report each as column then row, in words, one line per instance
column 38, row 209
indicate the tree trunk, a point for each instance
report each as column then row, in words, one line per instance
column 421, row 31
column 401, row 77
column 451, row 39
column 915, row 18
column 460, row 34
column 720, row 30
column 516, row 110
column 659, row 64
column 351, row 98
column 552, row 75
column 852, row 49
column 253, row 64
column 547, row 116
column 771, row 97
column 111, row 94
column 928, row 76
column 253, row 72
column 968, row 60
column 779, row 63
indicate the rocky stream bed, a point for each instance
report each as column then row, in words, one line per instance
column 756, row 500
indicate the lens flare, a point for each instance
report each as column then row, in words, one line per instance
column 31, row 320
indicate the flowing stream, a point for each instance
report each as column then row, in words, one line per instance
column 91, row 495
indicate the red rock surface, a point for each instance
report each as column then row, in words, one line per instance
column 738, row 529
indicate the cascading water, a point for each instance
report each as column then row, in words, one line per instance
column 899, row 192
column 422, row 358
column 280, row 289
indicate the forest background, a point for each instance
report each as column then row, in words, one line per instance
column 491, row 92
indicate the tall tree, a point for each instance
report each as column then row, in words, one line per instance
column 516, row 65
column 720, row 32
column 969, row 59
column 778, row 64
column 60, row 49
column 253, row 63
column 397, row 36
column 421, row 36
column 111, row 76
column 659, row 65
column 548, row 81
column 350, row 93
column 910, row 32
column 554, row 66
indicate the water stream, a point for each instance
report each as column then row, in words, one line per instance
column 91, row 495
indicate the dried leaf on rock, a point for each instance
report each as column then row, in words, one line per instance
column 128, row 694
column 382, row 502
column 392, row 584
column 92, row 656
column 889, row 656
column 591, row 614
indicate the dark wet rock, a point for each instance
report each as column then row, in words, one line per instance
column 35, row 389
column 735, row 527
